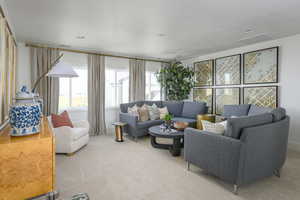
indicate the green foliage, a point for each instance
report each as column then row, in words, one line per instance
column 177, row 81
column 168, row 117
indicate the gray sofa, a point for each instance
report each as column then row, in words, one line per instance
column 185, row 111
column 253, row 147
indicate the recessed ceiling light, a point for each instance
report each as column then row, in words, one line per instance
column 161, row 35
column 80, row 37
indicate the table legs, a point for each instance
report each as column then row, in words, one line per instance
column 174, row 148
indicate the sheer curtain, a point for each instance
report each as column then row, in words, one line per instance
column 116, row 88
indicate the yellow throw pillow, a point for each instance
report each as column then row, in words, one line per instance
column 162, row 112
column 143, row 113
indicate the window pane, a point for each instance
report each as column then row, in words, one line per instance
column 79, row 89
column 153, row 89
column 64, row 93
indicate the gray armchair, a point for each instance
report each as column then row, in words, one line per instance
column 253, row 147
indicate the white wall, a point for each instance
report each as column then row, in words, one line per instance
column 289, row 77
column 23, row 73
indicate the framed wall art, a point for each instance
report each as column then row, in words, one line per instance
column 226, row 96
column 204, row 95
column 261, row 66
column 204, row 73
column 228, row 70
column 264, row 96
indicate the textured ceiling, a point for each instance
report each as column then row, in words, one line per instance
column 164, row 29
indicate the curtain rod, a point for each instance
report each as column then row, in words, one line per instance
column 8, row 27
column 94, row 53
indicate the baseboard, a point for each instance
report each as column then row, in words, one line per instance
column 294, row 146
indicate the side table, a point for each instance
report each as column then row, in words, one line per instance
column 119, row 130
column 207, row 117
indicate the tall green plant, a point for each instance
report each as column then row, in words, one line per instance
column 177, row 81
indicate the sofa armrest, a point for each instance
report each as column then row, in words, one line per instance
column 131, row 120
column 63, row 133
column 215, row 153
column 81, row 124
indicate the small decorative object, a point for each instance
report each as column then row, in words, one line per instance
column 204, row 73
column 168, row 121
column 180, row 126
column 25, row 114
column 204, row 95
column 228, row 70
column 81, row 196
column 264, row 96
column 226, row 96
column 261, row 66
column 177, row 81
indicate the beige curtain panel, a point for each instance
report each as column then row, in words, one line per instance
column 7, row 70
column 96, row 94
column 137, row 80
column 48, row 88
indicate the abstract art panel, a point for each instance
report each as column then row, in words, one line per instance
column 204, row 95
column 261, row 66
column 228, row 70
column 261, row 96
column 226, row 96
column 204, row 73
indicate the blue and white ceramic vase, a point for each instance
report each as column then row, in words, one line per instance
column 25, row 114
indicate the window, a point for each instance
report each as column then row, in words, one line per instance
column 153, row 89
column 73, row 91
column 116, row 87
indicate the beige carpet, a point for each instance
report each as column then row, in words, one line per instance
column 108, row 170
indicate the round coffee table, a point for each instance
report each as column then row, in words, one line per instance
column 177, row 136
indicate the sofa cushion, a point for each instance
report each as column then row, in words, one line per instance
column 235, row 125
column 183, row 119
column 174, row 107
column 77, row 133
column 192, row 109
column 236, row 110
column 147, row 124
column 278, row 114
column 256, row 110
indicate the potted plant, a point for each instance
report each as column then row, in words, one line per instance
column 168, row 120
column 177, row 81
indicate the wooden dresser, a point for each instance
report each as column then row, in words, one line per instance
column 27, row 164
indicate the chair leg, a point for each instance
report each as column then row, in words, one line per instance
column 188, row 166
column 277, row 173
column 70, row 154
column 235, row 189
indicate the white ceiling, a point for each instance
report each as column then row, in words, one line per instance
column 165, row 29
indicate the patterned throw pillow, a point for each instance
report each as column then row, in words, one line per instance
column 162, row 112
column 153, row 112
column 143, row 113
column 61, row 120
column 218, row 128
column 134, row 111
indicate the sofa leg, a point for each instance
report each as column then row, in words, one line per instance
column 188, row 166
column 277, row 173
column 235, row 189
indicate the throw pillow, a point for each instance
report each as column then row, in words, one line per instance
column 218, row 128
column 134, row 110
column 143, row 113
column 61, row 120
column 162, row 112
column 153, row 112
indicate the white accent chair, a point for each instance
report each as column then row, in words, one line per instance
column 68, row 140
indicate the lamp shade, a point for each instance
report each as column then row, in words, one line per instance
column 62, row 69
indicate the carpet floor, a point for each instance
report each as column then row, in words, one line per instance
column 132, row 170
